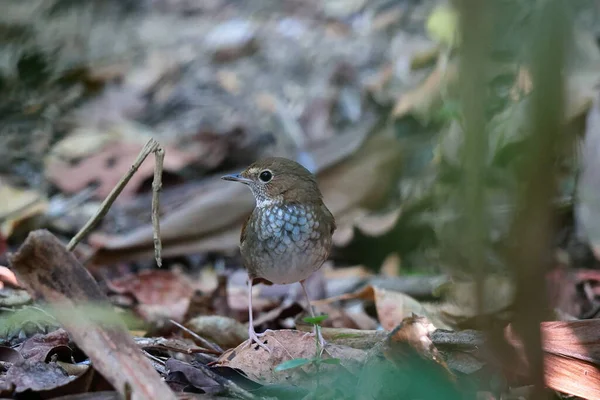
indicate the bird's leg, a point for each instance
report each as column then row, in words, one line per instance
column 251, row 333
column 316, row 328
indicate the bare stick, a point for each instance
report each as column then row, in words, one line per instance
column 159, row 157
column 52, row 274
column 150, row 147
column 204, row 342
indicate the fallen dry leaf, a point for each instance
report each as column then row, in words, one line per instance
column 17, row 206
column 392, row 307
column 41, row 347
column 181, row 376
column 113, row 352
column 259, row 365
column 37, row 376
column 201, row 224
column 369, row 223
column 160, row 294
column 414, row 331
column 106, row 167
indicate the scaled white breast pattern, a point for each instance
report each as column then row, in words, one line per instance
column 289, row 246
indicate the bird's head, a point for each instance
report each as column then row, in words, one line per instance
column 277, row 180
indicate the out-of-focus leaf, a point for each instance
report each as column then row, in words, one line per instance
column 40, row 347
column 315, row 320
column 291, row 364
column 200, row 225
column 159, row 293
column 442, row 25
column 332, row 361
column 224, row 331
column 17, row 206
column 182, row 375
column 423, row 101
column 286, row 345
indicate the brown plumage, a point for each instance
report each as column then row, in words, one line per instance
column 288, row 234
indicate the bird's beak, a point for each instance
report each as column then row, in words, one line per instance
column 236, row 178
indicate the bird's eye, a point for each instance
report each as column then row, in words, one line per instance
column 265, row 176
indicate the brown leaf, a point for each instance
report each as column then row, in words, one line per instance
column 394, row 307
column 259, row 365
column 106, row 167
column 161, row 294
column 182, row 375
column 41, row 347
column 53, row 274
column 414, row 331
column 202, row 225
column 8, row 354
column 18, row 206
column 37, row 376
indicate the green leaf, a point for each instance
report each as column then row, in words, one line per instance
column 295, row 363
column 315, row 320
column 333, row 361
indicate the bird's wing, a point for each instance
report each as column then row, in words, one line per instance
column 243, row 233
column 329, row 218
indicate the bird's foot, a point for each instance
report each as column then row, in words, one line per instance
column 255, row 338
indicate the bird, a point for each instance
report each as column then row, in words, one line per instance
column 288, row 235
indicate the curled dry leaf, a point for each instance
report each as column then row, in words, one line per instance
column 285, row 345
column 369, row 223
column 182, row 375
column 17, row 206
column 414, row 331
column 392, row 307
column 41, row 347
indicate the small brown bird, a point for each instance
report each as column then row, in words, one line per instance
column 288, row 235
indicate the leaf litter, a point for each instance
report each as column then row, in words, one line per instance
column 390, row 333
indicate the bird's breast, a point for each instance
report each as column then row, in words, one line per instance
column 286, row 243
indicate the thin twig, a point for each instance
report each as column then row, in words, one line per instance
column 159, row 156
column 150, row 147
column 202, row 341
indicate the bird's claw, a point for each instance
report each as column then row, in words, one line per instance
column 254, row 337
